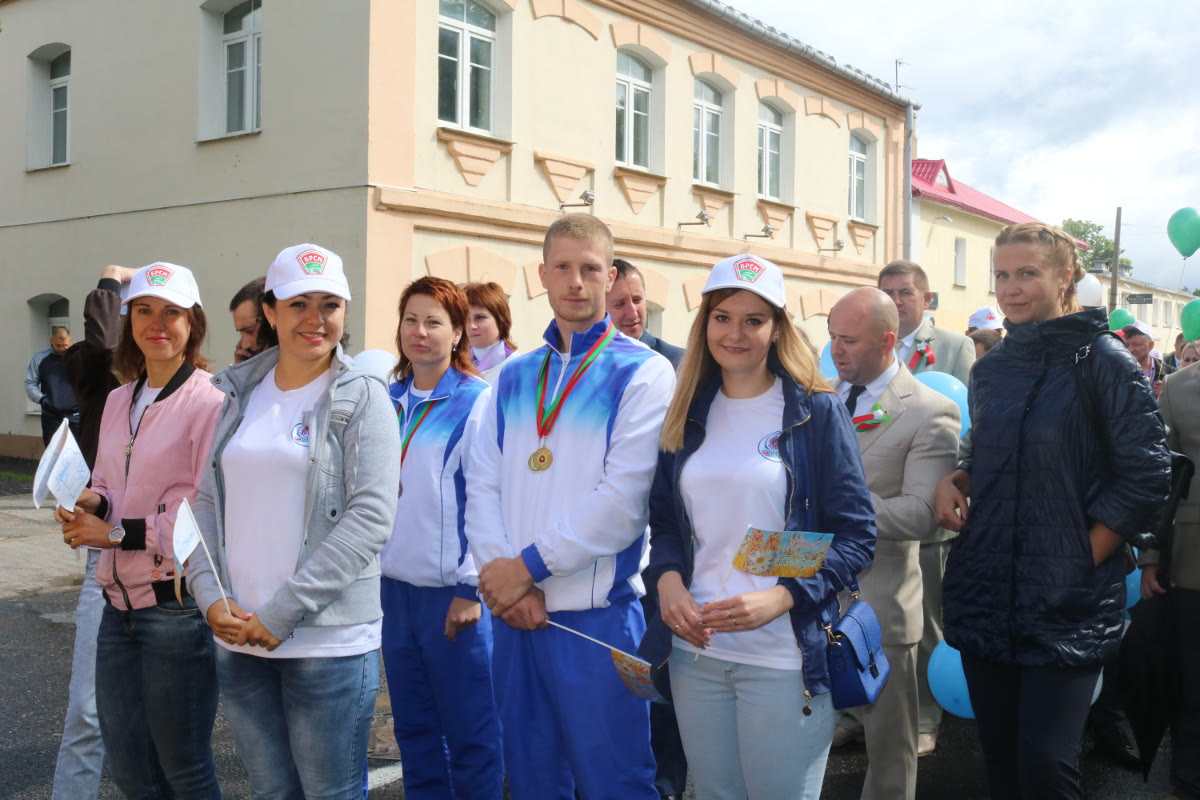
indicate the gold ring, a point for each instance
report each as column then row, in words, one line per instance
column 678, row 625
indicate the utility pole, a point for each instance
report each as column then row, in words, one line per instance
column 1116, row 264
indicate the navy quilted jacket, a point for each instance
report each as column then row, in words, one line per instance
column 1020, row 585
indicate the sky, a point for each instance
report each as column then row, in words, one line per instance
column 1060, row 108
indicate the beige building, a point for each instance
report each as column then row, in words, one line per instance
column 427, row 137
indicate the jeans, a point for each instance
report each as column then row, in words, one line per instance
column 81, row 752
column 156, row 694
column 301, row 725
column 744, row 730
column 1030, row 722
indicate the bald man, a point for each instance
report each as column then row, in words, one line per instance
column 908, row 437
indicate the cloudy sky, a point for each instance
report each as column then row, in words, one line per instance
column 1060, row 109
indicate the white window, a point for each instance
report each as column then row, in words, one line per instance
column 706, row 134
column 634, row 93
column 60, row 109
column 466, row 64
column 770, row 147
column 858, row 178
column 960, row 261
column 241, row 43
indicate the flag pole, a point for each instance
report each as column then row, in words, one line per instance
column 590, row 639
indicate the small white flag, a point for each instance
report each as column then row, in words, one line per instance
column 62, row 470
column 187, row 533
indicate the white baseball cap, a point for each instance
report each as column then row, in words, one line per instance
column 751, row 273
column 306, row 268
column 986, row 318
column 170, row 282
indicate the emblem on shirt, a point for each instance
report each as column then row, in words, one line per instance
column 312, row 261
column 300, row 434
column 158, row 276
column 748, row 270
column 768, row 447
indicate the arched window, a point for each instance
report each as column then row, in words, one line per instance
column 466, row 64
column 241, row 42
column 858, row 177
column 770, row 150
column 706, row 133
column 60, row 109
column 634, row 93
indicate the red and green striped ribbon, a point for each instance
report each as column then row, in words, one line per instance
column 546, row 417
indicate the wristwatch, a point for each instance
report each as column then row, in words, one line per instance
column 116, row 536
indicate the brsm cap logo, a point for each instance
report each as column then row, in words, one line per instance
column 312, row 261
column 748, row 270
column 158, row 276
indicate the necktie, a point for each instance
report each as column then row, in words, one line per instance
column 852, row 400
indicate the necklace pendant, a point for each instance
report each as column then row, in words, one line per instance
column 541, row 459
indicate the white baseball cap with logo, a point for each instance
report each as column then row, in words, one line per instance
column 169, row 282
column 305, row 268
column 751, row 273
column 986, row 319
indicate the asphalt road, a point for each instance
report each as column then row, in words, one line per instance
column 37, row 633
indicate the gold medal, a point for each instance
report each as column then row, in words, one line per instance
column 541, row 459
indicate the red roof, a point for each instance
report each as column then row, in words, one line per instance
column 931, row 179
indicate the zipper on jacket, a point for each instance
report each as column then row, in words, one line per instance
column 788, row 469
column 128, row 456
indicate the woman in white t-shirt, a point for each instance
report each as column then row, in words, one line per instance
column 297, row 501
column 754, row 437
column 437, row 638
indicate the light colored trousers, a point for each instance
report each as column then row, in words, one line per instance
column 933, row 566
column 744, row 731
column 889, row 728
column 81, row 752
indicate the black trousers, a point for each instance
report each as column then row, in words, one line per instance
column 1185, row 725
column 1030, row 722
column 51, row 421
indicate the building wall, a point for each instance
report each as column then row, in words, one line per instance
column 933, row 249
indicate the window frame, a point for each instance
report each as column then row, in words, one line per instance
column 765, row 129
column 960, row 261
column 250, row 36
column 855, row 197
column 466, row 33
column 702, row 111
column 62, row 82
column 631, row 85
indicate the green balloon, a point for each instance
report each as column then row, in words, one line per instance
column 1183, row 229
column 1189, row 320
column 1121, row 317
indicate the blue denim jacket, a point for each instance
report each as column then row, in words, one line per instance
column 826, row 493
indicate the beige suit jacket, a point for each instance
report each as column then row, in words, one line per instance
column 1180, row 397
column 953, row 353
column 904, row 459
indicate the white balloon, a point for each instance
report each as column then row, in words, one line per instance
column 376, row 362
column 1089, row 291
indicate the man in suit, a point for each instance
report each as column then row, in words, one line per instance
column 923, row 348
column 908, row 437
column 626, row 303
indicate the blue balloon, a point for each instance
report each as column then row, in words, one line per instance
column 947, row 681
column 1133, row 588
column 826, row 367
column 950, row 386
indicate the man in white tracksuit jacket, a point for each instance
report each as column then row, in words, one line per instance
column 556, row 515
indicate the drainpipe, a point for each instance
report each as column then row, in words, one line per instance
column 908, row 158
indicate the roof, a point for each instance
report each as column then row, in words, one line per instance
column 777, row 37
column 931, row 179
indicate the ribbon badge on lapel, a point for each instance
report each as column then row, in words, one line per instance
column 878, row 416
column 922, row 353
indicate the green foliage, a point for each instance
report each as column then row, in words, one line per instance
column 1101, row 247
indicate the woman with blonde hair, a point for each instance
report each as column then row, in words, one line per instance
column 754, row 437
column 1068, row 462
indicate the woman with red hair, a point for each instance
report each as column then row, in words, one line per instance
column 436, row 635
column 489, row 326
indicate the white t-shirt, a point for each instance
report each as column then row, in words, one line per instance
column 140, row 403
column 265, row 466
column 733, row 481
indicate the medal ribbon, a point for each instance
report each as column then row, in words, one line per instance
column 429, row 404
column 921, row 350
column 546, row 417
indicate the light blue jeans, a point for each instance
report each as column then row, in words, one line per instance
column 301, row 725
column 81, row 753
column 744, row 731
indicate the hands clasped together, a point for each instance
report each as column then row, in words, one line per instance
column 742, row 612
column 506, row 585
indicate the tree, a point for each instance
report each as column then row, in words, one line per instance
column 1101, row 247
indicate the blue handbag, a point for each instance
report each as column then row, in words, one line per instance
column 857, row 666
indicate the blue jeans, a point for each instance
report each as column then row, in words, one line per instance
column 81, row 752
column 744, row 731
column 156, row 694
column 443, row 707
column 301, row 725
